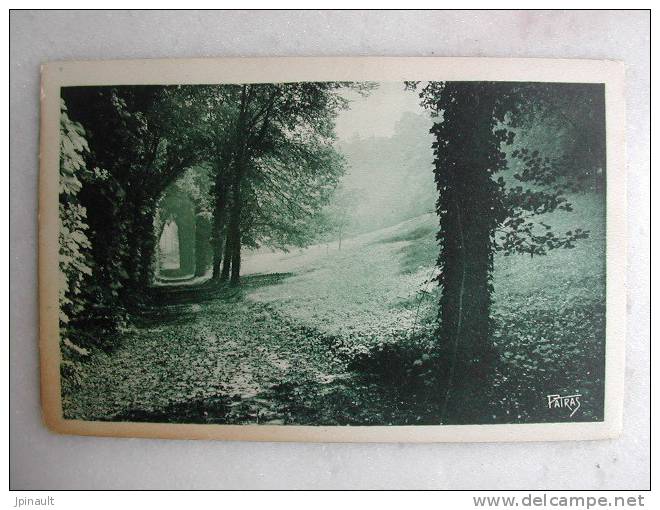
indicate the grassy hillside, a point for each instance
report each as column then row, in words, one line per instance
column 366, row 290
column 548, row 310
column 373, row 285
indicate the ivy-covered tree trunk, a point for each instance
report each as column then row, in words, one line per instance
column 480, row 214
column 467, row 154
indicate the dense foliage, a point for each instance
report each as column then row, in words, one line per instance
column 266, row 165
column 277, row 166
column 74, row 259
column 481, row 213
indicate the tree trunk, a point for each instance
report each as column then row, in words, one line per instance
column 236, row 259
column 226, row 259
column 219, row 214
column 137, row 260
column 203, row 245
column 235, row 225
column 218, row 248
column 240, row 161
column 148, row 251
column 467, row 209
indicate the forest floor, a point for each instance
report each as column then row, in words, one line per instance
column 284, row 347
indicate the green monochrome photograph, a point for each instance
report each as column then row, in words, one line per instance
column 277, row 250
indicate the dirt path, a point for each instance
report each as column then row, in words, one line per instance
column 206, row 355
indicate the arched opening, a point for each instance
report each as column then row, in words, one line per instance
column 169, row 260
column 175, row 225
column 182, row 228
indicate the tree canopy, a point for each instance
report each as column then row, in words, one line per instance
column 266, row 165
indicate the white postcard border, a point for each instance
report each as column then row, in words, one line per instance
column 258, row 70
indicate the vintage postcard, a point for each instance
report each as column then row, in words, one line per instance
column 333, row 249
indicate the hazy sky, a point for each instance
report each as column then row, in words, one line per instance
column 376, row 114
column 393, row 177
